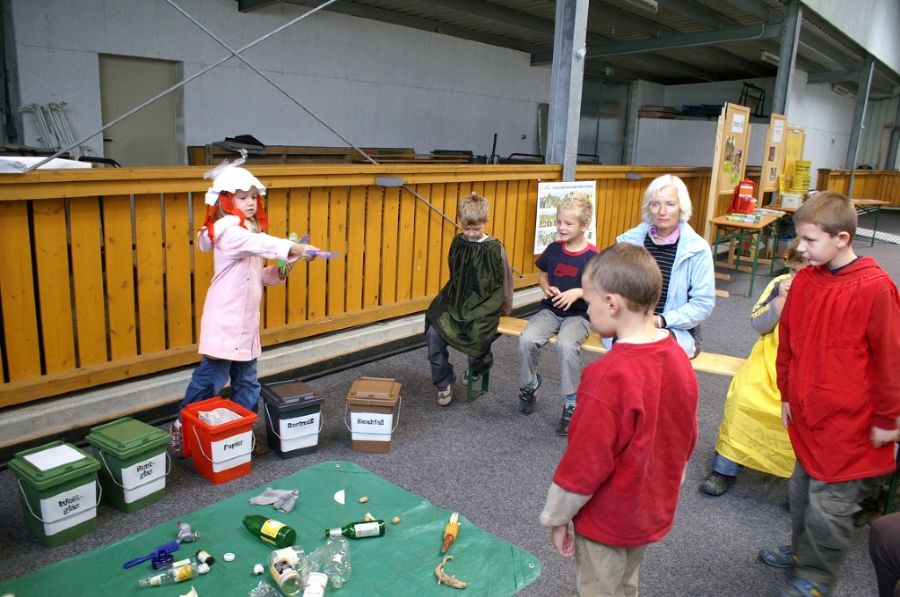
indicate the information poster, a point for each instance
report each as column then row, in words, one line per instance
column 550, row 195
column 773, row 156
column 732, row 158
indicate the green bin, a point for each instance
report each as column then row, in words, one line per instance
column 133, row 462
column 57, row 484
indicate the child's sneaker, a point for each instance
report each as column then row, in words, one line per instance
column 716, row 483
column 445, row 395
column 800, row 587
column 464, row 380
column 526, row 396
column 562, row 428
column 778, row 557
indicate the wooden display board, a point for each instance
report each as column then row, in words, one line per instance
column 773, row 156
column 729, row 157
column 793, row 151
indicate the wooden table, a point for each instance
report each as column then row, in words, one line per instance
column 736, row 234
column 863, row 207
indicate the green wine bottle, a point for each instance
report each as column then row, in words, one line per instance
column 358, row 530
column 270, row 531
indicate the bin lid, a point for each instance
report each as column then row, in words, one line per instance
column 289, row 393
column 375, row 389
column 127, row 437
column 52, row 464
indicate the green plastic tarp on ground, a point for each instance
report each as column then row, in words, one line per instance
column 402, row 562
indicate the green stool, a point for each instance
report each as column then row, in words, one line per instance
column 471, row 391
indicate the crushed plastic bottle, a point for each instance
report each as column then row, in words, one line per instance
column 263, row 589
column 176, row 439
column 336, row 561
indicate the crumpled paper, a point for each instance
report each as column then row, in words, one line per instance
column 282, row 500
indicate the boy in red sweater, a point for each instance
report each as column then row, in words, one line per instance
column 631, row 435
column 839, row 375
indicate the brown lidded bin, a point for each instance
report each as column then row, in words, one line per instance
column 373, row 404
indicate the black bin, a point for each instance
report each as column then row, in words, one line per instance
column 293, row 417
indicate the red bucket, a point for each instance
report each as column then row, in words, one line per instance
column 220, row 453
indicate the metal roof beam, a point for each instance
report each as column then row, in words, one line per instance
column 673, row 42
column 754, row 8
column 826, row 50
column 690, row 70
column 699, row 13
column 394, row 18
column 493, row 12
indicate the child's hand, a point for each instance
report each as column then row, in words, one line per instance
column 304, row 251
column 785, row 414
column 550, row 292
column 562, row 540
column 564, row 300
column 882, row 437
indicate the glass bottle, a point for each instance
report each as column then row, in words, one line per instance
column 285, row 566
column 358, row 530
column 270, row 531
column 172, row 575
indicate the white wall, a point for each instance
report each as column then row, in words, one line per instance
column 377, row 84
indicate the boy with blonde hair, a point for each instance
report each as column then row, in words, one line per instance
column 839, row 375
column 563, row 312
column 630, row 437
column 466, row 311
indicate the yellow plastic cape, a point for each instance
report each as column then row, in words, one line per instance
column 751, row 432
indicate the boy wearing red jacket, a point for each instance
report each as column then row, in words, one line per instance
column 839, row 375
column 631, row 435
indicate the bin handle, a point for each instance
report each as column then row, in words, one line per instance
column 272, row 425
column 27, row 505
column 200, row 447
column 396, row 419
column 113, row 477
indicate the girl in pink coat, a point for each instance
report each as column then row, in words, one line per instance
column 229, row 331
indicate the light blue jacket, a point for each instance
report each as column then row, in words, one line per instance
column 692, row 284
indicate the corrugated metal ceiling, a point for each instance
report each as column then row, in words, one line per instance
column 723, row 52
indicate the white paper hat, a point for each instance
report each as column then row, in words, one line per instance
column 231, row 178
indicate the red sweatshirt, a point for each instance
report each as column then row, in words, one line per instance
column 630, row 437
column 839, row 368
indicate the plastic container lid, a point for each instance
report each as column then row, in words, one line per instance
column 127, row 437
column 374, row 391
column 289, row 393
column 54, row 475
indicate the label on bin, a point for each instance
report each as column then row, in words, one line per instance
column 371, row 423
column 69, row 508
column 232, row 451
column 145, row 477
column 299, row 426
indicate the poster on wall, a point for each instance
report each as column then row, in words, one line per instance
column 732, row 142
column 550, row 195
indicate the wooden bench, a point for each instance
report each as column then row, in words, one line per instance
column 705, row 362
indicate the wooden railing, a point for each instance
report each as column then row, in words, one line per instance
column 101, row 281
column 883, row 185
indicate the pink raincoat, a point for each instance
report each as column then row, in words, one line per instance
column 230, row 325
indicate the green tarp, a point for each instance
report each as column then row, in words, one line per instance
column 400, row 563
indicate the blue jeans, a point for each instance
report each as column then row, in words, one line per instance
column 211, row 375
column 726, row 466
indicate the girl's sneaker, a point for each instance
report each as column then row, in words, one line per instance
column 800, row 587
column 778, row 557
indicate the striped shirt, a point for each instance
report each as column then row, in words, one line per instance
column 665, row 257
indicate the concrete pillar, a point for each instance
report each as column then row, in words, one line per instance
column 790, row 36
column 859, row 117
column 566, row 79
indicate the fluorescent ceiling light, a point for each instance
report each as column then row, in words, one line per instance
column 769, row 57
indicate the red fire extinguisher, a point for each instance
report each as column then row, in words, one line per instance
column 743, row 201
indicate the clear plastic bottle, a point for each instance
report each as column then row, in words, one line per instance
column 285, row 566
column 176, row 439
column 174, row 575
column 336, row 561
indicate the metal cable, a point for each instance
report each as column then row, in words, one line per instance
column 269, row 80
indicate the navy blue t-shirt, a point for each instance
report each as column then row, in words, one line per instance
column 564, row 270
